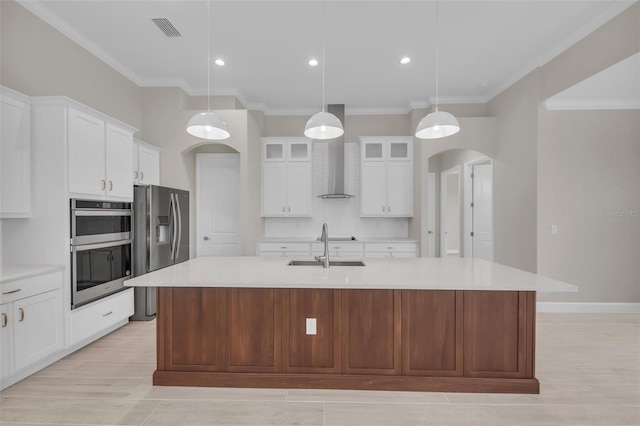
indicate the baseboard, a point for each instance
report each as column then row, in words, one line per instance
column 594, row 308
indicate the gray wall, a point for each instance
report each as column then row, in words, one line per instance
column 543, row 159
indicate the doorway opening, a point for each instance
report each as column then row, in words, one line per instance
column 218, row 204
column 460, row 205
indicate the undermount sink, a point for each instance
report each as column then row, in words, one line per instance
column 331, row 263
column 339, row 239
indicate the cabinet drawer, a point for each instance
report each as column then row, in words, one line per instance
column 284, row 247
column 391, row 247
column 339, row 247
column 93, row 318
column 19, row 289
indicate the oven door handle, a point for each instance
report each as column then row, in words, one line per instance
column 86, row 247
column 102, row 213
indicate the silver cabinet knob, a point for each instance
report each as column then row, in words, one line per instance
column 206, row 238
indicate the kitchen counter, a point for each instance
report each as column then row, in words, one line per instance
column 406, row 274
column 445, row 325
column 340, row 240
column 18, row 272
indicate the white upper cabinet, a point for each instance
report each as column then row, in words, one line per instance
column 15, row 167
column 146, row 164
column 286, row 177
column 100, row 160
column 386, row 177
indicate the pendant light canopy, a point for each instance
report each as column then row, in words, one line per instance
column 208, row 125
column 323, row 125
column 438, row 124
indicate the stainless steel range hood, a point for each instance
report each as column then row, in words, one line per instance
column 336, row 159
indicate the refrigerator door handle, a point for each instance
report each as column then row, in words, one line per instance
column 179, row 220
column 172, row 226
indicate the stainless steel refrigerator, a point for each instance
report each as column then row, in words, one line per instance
column 160, row 238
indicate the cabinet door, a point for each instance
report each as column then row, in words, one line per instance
column 136, row 167
column 307, row 350
column 299, row 150
column 373, row 200
column 15, row 167
column 399, row 189
column 191, row 329
column 432, row 333
column 119, row 164
column 499, row 334
column 273, row 189
column 37, row 327
column 86, row 154
column 148, row 166
column 373, row 150
column 6, row 340
column 371, row 334
column 253, row 326
column 299, row 189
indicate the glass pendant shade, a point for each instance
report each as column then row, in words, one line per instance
column 323, row 125
column 438, row 124
column 208, row 125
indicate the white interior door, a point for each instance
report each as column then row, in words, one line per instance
column 483, row 211
column 450, row 212
column 431, row 214
column 218, row 204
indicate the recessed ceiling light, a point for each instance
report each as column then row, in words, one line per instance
column 313, row 62
column 405, row 60
column 219, row 62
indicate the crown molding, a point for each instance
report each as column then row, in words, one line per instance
column 590, row 104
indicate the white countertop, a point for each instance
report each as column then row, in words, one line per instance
column 315, row 240
column 19, row 272
column 412, row 274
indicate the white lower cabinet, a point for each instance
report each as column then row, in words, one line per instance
column 96, row 317
column 340, row 250
column 391, row 249
column 284, row 249
column 31, row 324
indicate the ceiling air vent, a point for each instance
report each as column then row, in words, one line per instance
column 167, row 27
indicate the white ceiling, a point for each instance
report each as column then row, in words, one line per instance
column 485, row 46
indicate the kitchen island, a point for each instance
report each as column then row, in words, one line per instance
column 448, row 325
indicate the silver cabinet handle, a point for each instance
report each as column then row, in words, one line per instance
column 283, row 209
column 383, row 209
column 283, row 247
column 110, row 185
column 388, row 209
column 141, row 175
column 289, row 209
column 135, row 174
column 12, row 291
column 21, row 314
column 4, row 320
column 206, row 238
column 104, row 184
column 107, row 314
column 390, row 247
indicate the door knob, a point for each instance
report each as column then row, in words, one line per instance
column 429, row 232
column 206, row 238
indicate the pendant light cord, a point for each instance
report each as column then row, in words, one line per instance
column 437, row 52
column 208, row 56
column 323, row 55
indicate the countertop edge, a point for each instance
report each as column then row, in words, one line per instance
column 22, row 272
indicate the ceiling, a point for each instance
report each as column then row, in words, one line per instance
column 485, row 46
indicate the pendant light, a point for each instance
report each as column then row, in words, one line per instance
column 438, row 124
column 323, row 125
column 208, row 125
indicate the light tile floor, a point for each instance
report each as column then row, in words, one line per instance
column 588, row 366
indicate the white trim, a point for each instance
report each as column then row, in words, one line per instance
column 594, row 308
column 590, row 104
column 431, row 214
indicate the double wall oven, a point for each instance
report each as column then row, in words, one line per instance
column 101, row 248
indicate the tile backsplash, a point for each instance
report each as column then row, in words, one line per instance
column 341, row 215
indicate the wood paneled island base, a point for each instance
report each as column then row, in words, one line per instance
column 389, row 339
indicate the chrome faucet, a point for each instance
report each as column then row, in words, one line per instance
column 325, row 239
